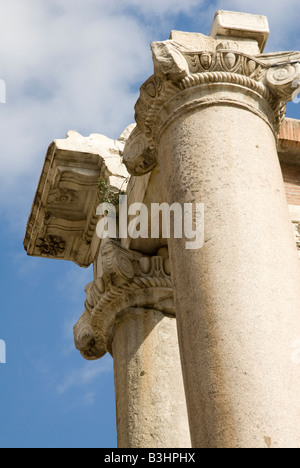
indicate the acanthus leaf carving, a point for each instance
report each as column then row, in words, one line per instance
column 273, row 77
column 129, row 280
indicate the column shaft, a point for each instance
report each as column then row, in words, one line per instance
column 150, row 400
column 238, row 298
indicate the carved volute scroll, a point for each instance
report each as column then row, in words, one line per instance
column 137, row 155
column 284, row 80
column 129, row 280
column 270, row 78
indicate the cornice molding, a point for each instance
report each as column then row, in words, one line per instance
column 63, row 217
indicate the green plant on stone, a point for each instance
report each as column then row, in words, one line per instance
column 107, row 195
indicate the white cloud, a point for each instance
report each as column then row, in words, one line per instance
column 78, row 65
column 161, row 7
column 86, row 375
column 68, row 65
column 62, row 72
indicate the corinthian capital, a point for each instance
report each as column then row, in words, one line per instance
column 218, row 66
column 128, row 280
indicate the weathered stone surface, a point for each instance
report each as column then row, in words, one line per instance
column 129, row 312
column 230, row 309
column 230, row 24
column 289, row 155
column 289, row 142
column 236, row 31
column 63, row 217
column 212, row 119
column 137, row 149
column 150, row 400
column 207, row 128
column 295, row 218
column 267, row 81
column 123, row 279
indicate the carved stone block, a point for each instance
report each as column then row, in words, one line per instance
column 63, row 217
column 128, row 279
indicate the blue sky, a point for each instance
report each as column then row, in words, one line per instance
column 73, row 65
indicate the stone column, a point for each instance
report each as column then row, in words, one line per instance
column 211, row 118
column 130, row 314
column 151, row 407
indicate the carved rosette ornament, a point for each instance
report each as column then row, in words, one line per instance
column 51, row 246
column 129, row 280
column 269, row 79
